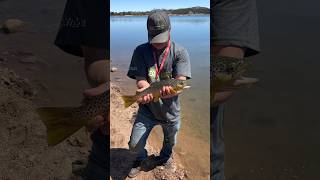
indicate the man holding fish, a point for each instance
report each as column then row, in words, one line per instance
column 160, row 68
column 234, row 36
column 84, row 32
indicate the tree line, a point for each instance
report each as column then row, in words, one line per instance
column 181, row 11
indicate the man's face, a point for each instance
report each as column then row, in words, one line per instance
column 160, row 45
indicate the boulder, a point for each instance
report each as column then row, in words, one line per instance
column 13, row 26
column 114, row 69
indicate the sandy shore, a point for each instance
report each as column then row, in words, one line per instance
column 23, row 137
column 34, row 73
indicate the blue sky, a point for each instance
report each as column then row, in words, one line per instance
column 146, row 5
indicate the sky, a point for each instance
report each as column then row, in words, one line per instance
column 146, row 5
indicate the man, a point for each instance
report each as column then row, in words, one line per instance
column 157, row 60
column 235, row 35
column 84, row 32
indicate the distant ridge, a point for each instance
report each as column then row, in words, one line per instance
column 180, row 11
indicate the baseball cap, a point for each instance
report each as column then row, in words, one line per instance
column 158, row 25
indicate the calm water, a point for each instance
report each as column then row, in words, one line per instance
column 192, row 32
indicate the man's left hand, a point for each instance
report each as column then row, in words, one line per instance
column 167, row 92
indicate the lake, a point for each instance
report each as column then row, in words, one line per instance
column 192, row 32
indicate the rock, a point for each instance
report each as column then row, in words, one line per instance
column 13, row 26
column 29, row 60
column 6, row 81
column 2, row 59
column 192, row 99
column 31, row 69
column 114, row 69
column 16, row 84
column 75, row 142
column 117, row 79
column 182, row 153
column 29, row 92
column 5, row 53
column 23, row 54
column 78, row 167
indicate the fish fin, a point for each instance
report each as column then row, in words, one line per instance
column 243, row 68
column 128, row 100
column 59, row 123
column 156, row 99
column 173, row 91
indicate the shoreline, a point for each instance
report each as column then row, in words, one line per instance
column 129, row 15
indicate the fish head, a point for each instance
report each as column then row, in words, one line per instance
column 180, row 85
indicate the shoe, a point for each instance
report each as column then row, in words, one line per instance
column 167, row 163
column 170, row 165
column 135, row 170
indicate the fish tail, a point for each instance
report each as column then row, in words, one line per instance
column 59, row 123
column 128, row 100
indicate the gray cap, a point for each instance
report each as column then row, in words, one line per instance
column 158, row 25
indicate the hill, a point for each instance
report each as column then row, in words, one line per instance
column 180, row 11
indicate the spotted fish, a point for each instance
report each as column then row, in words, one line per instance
column 62, row 122
column 226, row 74
column 154, row 89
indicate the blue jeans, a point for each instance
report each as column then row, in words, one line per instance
column 217, row 143
column 98, row 164
column 140, row 133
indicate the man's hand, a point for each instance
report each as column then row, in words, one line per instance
column 167, row 92
column 143, row 84
column 223, row 96
column 228, row 51
column 146, row 98
column 98, row 121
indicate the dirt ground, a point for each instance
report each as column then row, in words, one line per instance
column 24, row 151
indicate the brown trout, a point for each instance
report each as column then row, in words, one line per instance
column 154, row 89
column 62, row 122
column 226, row 74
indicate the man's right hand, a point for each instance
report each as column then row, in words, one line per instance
column 142, row 84
column 223, row 96
column 146, row 98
